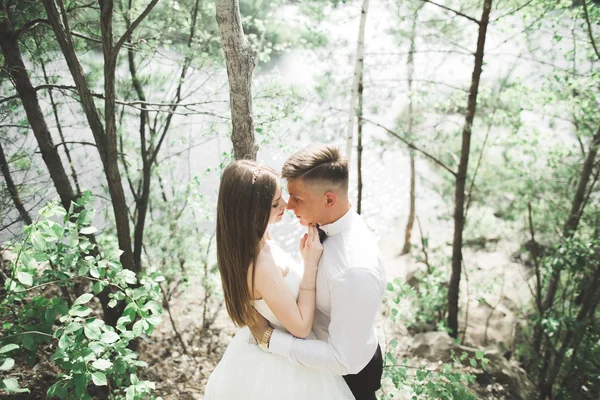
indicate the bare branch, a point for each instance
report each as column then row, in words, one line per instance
column 30, row 25
column 134, row 25
column 534, row 255
column 589, row 26
column 82, row 143
column 516, row 10
column 453, row 11
column 412, row 146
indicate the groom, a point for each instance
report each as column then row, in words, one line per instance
column 350, row 280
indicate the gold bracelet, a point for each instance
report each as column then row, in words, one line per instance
column 266, row 339
column 308, row 289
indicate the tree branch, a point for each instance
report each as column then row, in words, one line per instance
column 134, row 25
column 82, row 143
column 516, row 10
column 589, row 26
column 412, row 146
column 454, row 11
column 30, row 25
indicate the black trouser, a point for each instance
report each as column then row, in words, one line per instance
column 364, row 384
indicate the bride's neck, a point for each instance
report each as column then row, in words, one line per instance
column 263, row 240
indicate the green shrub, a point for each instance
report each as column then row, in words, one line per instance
column 57, row 253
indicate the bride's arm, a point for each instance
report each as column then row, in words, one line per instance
column 297, row 318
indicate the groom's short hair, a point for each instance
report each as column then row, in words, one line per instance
column 317, row 163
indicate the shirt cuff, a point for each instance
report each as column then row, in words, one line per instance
column 281, row 343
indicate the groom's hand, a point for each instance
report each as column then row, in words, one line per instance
column 259, row 326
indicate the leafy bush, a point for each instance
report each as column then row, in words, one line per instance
column 57, row 253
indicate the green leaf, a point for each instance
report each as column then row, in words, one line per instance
column 73, row 327
column 58, row 354
column 110, row 337
column 92, row 332
column 84, row 298
column 80, row 311
column 95, row 272
column 473, row 362
column 29, row 343
column 484, row 363
column 138, row 328
column 112, row 303
column 153, row 306
column 25, row 278
column 97, row 347
column 393, row 343
column 479, row 354
column 102, row 364
column 12, row 386
column 154, row 320
column 390, row 287
column 8, row 347
column 90, row 230
column 124, row 320
column 7, row 364
column 98, row 286
column 38, row 242
column 63, row 343
column 99, row 379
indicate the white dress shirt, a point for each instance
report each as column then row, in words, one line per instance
column 350, row 286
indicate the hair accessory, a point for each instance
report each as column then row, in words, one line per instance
column 256, row 173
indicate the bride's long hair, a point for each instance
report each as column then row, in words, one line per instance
column 243, row 210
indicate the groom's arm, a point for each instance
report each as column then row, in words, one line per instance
column 356, row 296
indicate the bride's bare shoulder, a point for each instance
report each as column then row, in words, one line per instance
column 266, row 263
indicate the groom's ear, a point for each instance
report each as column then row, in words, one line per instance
column 330, row 199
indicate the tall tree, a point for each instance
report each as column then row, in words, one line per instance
column 461, row 177
column 105, row 136
column 358, row 72
column 239, row 59
column 12, row 188
column 9, row 42
column 410, row 71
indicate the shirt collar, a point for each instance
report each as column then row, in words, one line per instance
column 339, row 225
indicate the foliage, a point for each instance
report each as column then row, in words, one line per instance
column 564, row 329
column 419, row 308
column 57, row 253
column 446, row 382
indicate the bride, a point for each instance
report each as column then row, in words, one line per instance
column 258, row 275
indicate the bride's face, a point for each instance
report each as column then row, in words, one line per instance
column 277, row 207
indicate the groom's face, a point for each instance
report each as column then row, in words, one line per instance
column 306, row 201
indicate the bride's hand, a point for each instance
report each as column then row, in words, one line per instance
column 311, row 248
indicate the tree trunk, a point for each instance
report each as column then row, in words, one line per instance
column 141, row 199
column 105, row 139
column 59, row 129
column 111, row 167
column 239, row 59
column 358, row 72
column 28, row 96
column 572, row 338
column 411, row 214
column 360, row 146
column 12, row 188
column 410, row 67
column 461, row 178
column 576, row 211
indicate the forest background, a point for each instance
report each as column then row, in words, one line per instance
column 473, row 133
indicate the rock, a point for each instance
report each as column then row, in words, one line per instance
column 509, row 373
column 433, row 346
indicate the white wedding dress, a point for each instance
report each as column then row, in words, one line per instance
column 248, row 372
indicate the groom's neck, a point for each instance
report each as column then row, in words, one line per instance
column 337, row 212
